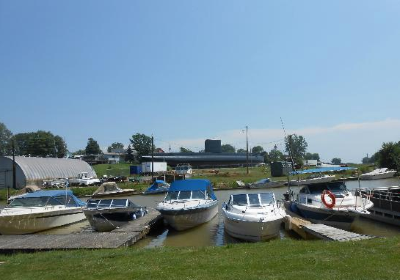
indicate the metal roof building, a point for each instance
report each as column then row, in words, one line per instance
column 205, row 160
column 35, row 170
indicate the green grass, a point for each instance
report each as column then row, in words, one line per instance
column 120, row 169
column 278, row 259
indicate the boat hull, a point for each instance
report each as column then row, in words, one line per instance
column 110, row 219
column 184, row 219
column 377, row 176
column 252, row 230
column 39, row 221
column 335, row 218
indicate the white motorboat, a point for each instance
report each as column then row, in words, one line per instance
column 381, row 173
column 189, row 203
column 84, row 179
column 39, row 211
column 253, row 217
column 313, row 179
column 111, row 189
column 329, row 203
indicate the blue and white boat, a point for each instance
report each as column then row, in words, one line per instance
column 189, row 203
column 159, row 186
column 41, row 210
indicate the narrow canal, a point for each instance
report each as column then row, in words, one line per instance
column 212, row 233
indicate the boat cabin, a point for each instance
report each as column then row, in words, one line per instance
column 337, row 188
column 311, row 194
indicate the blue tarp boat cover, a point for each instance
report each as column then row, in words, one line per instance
column 323, row 169
column 55, row 193
column 193, row 185
column 157, row 187
column 263, row 181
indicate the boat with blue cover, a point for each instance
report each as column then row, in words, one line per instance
column 159, row 186
column 189, row 203
column 41, row 210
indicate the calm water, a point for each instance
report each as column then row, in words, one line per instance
column 212, row 233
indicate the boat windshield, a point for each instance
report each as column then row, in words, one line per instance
column 252, row 199
column 266, row 198
column 172, row 196
column 62, row 200
column 106, row 203
column 198, row 195
column 29, row 202
column 185, row 195
column 239, row 199
column 337, row 187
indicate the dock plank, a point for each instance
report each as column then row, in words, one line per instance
column 333, row 234
column 120, row 237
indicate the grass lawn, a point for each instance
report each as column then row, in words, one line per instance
column 277, row 259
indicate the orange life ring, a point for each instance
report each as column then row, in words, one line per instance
column 332, row 197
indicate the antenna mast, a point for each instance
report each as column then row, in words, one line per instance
column 290, row 150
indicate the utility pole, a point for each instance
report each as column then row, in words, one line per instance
column 13, row 171
column 152, row 158
column 247, row 151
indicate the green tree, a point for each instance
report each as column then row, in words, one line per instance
column 275, row 155
column 141, row 144
column 92, row 147
column 227, row 148
column 336, row 161
column 40, row 144
column 241, row 151
column 61, row 147
column 296, row 146
column 257, row 150
column 5, row 140
column 115, row 145
column 185, row 150
column 79, row 152
column 129, row 157
column 389, row 156
column 312, row 156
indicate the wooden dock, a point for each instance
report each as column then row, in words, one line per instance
column 333, row 234
column 308, row 230
column 120, row 237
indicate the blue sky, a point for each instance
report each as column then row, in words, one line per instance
column 186, row 71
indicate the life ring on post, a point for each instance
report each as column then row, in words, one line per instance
column 331, row 196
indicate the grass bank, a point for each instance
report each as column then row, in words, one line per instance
column 278, row 259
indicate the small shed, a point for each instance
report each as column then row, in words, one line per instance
column 33, row 170
column 280, row 168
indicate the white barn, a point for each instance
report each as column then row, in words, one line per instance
column 32, row 170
